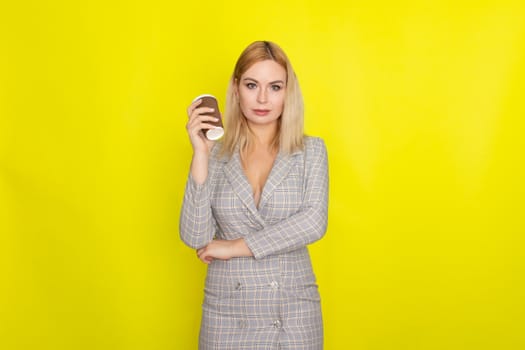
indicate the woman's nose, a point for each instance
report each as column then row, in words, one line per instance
column 261, row 96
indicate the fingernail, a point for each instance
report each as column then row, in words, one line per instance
column 212, row 110
column 216, row 119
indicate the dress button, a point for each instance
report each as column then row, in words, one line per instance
column 277, row 324
column 242, row 324
column 238, row 286
column 274, row 284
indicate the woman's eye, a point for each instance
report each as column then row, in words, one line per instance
column 276, row 87
column 251, row 85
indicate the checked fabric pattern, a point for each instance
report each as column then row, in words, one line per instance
column 271, row 300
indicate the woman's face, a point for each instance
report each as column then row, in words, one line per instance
column 261, row 92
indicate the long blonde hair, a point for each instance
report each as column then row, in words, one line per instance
column 290, row 132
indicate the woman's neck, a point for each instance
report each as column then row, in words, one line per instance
column 264, row 136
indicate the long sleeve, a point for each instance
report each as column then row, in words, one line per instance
column 197, row 225
column 309, row 223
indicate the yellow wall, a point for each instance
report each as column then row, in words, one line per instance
column 421, row 104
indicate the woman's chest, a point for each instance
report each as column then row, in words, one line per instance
column 234, row 205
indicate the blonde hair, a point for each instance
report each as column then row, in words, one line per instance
column 290, row 132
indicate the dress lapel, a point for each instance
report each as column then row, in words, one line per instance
column 281, row 167
column 240, row 185
column 234, row 172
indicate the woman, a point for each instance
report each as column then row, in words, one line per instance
column 252, row 204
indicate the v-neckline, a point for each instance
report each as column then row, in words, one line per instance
column 257, row 203
column 234, row 172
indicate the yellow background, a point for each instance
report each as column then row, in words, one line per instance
column 421, row 105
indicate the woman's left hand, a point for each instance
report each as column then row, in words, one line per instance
column 223, row 250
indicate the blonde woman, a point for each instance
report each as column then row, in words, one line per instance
column 252, row 204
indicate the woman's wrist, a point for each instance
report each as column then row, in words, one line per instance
column 199, row 167
column 240, row 248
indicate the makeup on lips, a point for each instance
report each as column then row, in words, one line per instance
column 261, row 112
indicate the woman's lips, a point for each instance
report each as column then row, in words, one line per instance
column 261, row 112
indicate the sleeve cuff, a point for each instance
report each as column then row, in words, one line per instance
column 252, row 245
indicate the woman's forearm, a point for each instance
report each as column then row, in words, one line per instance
column 224, row 250
column 199, row 167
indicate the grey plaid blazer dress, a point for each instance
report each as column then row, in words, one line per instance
column 269, row 301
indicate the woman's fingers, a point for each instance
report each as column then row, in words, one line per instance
column 203, row 255
column 200, row 111
column 217, row 249
column 199, row 118
column 193, row 106
column 201, row 121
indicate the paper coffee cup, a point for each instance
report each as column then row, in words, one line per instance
column 211, row 102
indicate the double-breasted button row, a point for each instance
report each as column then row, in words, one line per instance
column 272, row 284
column 277, row 324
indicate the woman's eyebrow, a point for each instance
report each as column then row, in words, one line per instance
column 272, row 82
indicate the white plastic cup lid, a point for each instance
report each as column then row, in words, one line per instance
column 215, row 134
column 201, row 96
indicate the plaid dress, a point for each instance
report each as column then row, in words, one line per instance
column 270, row 300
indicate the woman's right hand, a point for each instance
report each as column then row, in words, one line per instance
column 198, row 121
